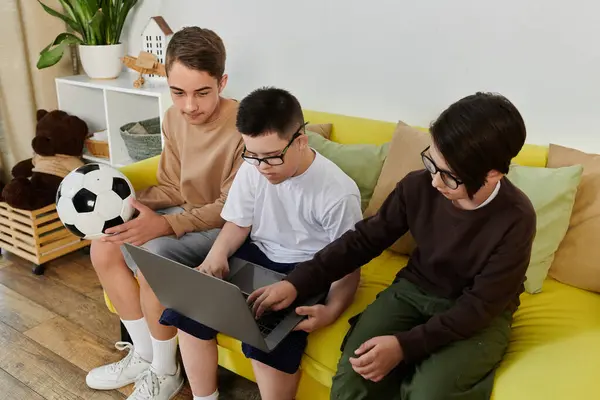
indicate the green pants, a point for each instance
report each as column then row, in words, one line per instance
column 463, row 370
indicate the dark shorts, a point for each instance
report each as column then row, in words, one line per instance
column 286, row 356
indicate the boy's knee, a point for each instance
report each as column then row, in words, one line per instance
column 260, row 367
column 185, row 324
column 105, row 255
column 347, row 384
column 446, row 384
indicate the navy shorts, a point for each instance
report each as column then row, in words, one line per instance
column 286, row 356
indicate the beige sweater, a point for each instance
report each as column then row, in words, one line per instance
column 197, row 166
column 59, row 165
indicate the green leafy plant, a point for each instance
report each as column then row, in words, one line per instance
column 92, row 22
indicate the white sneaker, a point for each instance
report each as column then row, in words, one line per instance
column 120, row 373
column 150, row 386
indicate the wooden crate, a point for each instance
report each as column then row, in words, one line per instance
column 38, row 236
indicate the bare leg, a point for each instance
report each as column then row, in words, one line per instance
column 123, row 290
column 275, row 384
column 116, row 279
column 153, row 310
column 200, row 358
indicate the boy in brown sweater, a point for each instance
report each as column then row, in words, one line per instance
column 440, row 330
column 179, row 218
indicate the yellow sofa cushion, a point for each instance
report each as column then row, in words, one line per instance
column 361, row 130
column 142, row 173
column 351, row 130
column 554, row 347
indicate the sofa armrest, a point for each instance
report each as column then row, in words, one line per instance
column 142, row 174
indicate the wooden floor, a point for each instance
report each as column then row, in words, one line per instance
column 54, row 328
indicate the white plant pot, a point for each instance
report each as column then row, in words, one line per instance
column 102, row 62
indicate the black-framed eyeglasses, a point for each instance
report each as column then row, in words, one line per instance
column 273, row 160
column 450, row 180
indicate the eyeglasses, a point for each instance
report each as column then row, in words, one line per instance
column 449, row 180
column 273, row 160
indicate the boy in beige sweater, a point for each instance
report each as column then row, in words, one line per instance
column 179, row 218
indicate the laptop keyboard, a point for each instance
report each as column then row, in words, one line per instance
column 269, row 320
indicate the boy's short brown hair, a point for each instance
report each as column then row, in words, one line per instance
column 199, row 49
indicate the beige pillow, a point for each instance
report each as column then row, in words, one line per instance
column 577, row 261
column 322, row 129
column 404, row 156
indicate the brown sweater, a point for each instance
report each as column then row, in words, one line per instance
column 478, row 257
column 197, row 166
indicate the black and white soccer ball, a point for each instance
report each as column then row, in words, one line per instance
column 93, row 198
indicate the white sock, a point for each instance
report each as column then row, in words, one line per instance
column 165, row 356
column 140, row 336
column 214, row 396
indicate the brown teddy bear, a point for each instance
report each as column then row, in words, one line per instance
column 58, row 146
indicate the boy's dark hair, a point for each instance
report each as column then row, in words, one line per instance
column 269, row 109
column 477, row 134
column 197, row 48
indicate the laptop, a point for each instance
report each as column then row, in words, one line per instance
column 220, row 304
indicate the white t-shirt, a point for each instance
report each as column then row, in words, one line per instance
column 295, row 219
column 491, row 197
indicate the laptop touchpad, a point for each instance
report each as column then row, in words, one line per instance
column 249, row 278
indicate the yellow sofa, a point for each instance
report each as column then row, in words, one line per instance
column 554, row 352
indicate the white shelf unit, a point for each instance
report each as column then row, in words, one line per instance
column 110, row 104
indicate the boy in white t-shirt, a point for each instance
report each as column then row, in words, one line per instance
column 286, row 203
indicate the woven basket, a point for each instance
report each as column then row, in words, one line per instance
column 97, row 148
column 142, row 146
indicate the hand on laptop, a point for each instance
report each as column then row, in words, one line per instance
column 274, row 297
column 215, row 266
column 318, row 315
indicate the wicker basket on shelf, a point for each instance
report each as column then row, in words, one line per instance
column 97, row 148
column 142, row 145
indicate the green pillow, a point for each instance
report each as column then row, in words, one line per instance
column 361, row 162
column 552, row 193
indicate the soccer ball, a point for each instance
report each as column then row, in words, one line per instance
column 92, row 199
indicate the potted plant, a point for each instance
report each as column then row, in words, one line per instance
column 96, row 27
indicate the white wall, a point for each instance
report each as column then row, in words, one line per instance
column 408, row 60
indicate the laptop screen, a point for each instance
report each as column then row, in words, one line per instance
column 250, row 277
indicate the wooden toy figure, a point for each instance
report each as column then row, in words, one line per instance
column 145, row 63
